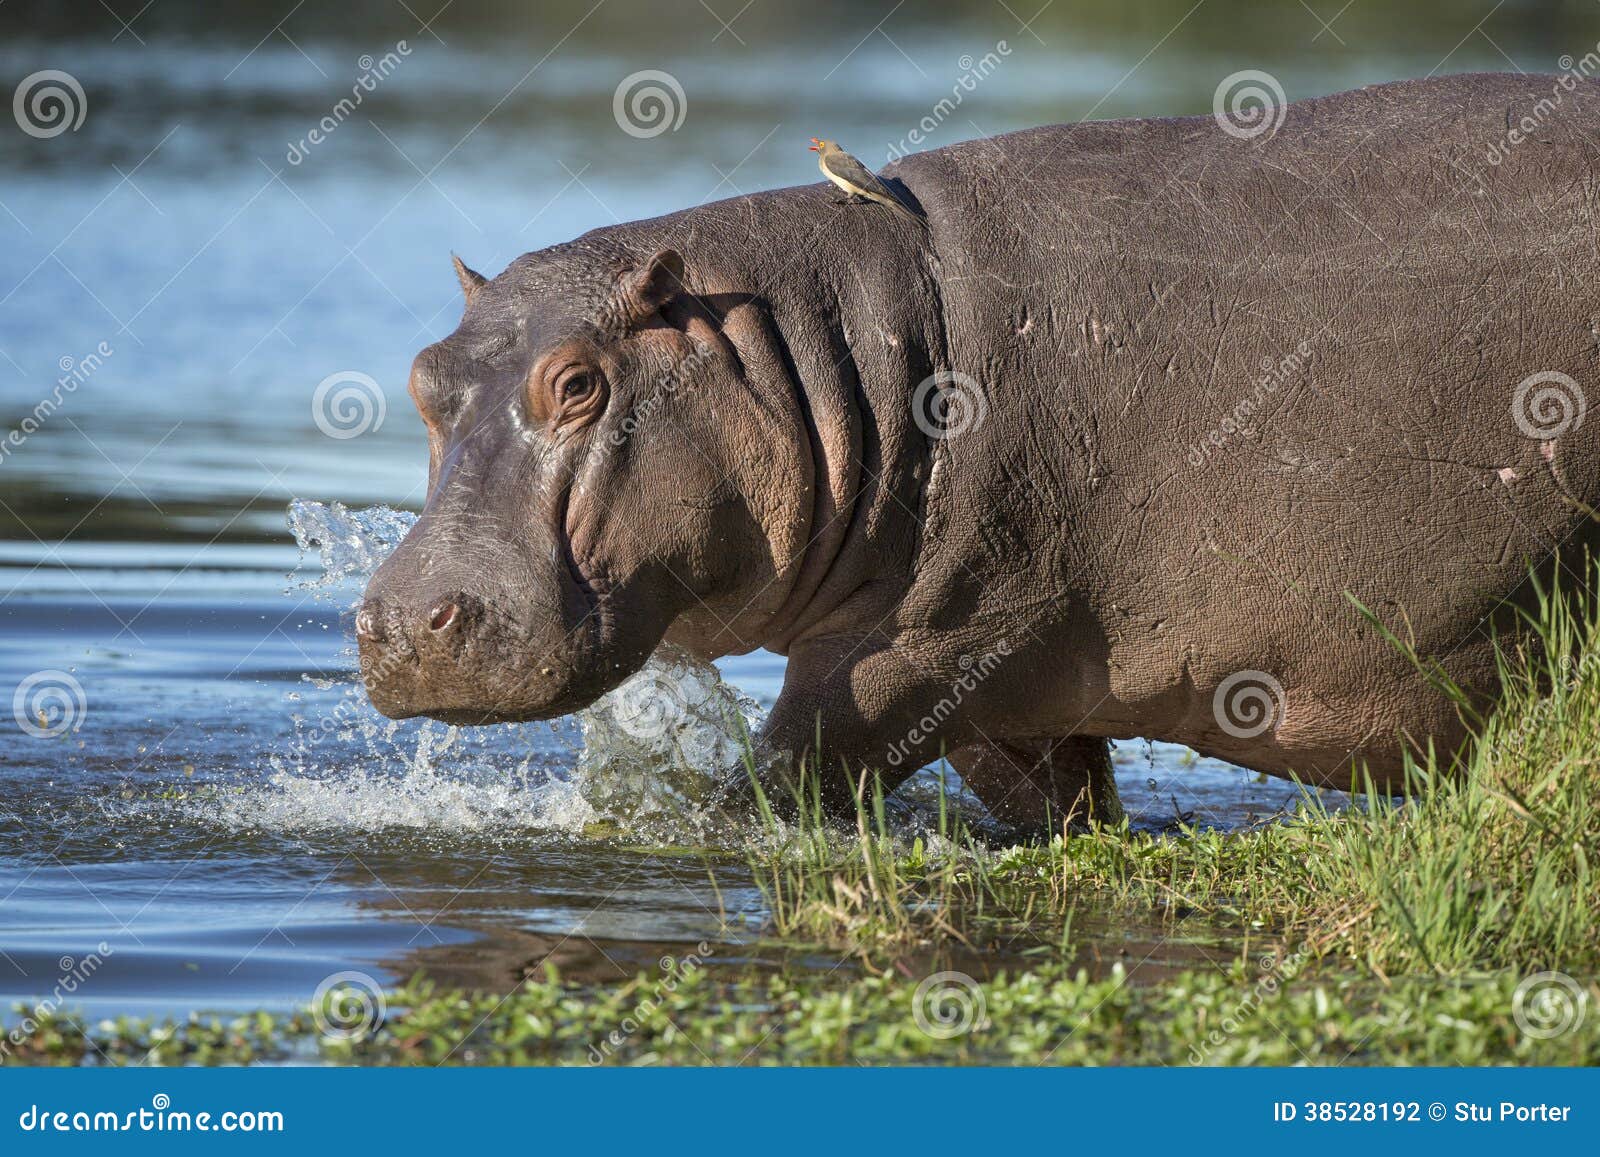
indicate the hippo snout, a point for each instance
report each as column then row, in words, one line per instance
column 431, row 653
column 475, row 637
column 415, row 650
column 378, row 623
column 442, row 655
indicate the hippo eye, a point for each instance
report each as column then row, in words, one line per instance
column 566, row 388
column 576, row 387
column 576, row 395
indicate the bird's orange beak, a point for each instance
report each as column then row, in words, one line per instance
column 816, row 146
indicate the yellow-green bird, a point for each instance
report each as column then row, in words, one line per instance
column 855, row 178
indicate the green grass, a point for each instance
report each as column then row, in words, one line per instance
column 1495, row 865
column 864, row 889
column 1489, row 864
column 1043, row 1016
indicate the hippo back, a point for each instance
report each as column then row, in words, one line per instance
column 1247, row 380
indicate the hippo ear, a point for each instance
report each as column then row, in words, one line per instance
column 653, row 284
column 471, row 280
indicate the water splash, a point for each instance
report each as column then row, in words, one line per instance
column 668, row 745
column 351, row 544
column 652, row 759
column 444, row 783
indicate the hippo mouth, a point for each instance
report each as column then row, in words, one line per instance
column 596, row 615
column 581, row 644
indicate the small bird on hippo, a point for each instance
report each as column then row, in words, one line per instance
column 857, row 181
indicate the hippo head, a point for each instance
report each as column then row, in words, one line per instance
column 603, row 474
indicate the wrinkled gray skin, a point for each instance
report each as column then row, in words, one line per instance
column 1080, row 560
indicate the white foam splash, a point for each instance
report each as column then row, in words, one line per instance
column 443, row 785
column 667, row 745
column 651, row 759
column 350, row 543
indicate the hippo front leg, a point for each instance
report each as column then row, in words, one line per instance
column 843, row 713
column 1038, row 785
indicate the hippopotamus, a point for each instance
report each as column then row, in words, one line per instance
column 1160, row 428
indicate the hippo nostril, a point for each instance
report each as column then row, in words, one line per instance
column 369, row 622
column 444, row 615
column 455, row 612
